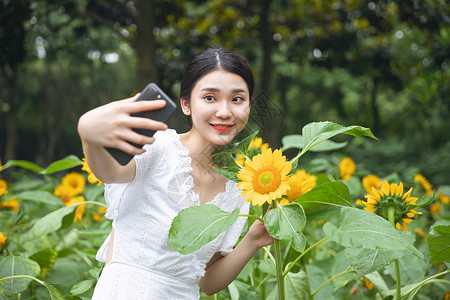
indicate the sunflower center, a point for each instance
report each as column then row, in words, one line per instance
column 266, row 180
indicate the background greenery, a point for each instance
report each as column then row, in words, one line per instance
column 379, row 64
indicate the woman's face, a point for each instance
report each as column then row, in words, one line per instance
column 219, row 106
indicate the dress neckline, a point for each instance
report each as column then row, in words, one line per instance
column 184, row 153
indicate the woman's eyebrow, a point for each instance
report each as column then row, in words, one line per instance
column 213, row 89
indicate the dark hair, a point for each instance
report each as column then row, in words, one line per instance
column 213, row 59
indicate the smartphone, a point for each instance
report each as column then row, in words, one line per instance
column 151, row 92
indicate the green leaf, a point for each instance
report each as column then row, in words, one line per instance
column 422, row 201
column 362, row 229
column 55, row 294
column 45, row 258
column 22, row 164
column 240, row 290
column 439, row 242
column 412, row 269
column 325, row 199
column 242, row 146
column 41, row 197
column 317, row 276
column 229, row 173
column 298, row 141
column 286, row 222
column 14, row 266
column 68, row 162
column 317, row 132
column 52, row 222
column 296, row 285
column 196, row 226
column 365, row 261
column 82, row 286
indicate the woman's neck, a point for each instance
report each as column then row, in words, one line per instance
column 200, row 150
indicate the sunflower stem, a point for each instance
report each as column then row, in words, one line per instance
column 278, row 263
column 391, row 217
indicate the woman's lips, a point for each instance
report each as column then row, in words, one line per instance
column 222, row 127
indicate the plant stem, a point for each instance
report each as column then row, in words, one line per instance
column 252, row 216
column 330, row 279
column 304, row 252
column 279, row 268
column 278, row 262
column 391, row 217
column 425, row 281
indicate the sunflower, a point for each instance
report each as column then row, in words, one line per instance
column 435, row 209
column 100, row 213
column 347, row 168
column 256, row 146
column 2, row 239
column 444, row 199
column 426, row 185
column 65, row 192
column 76, row 181
column 3, row 187
column 368, row 283
column 265, row 177
column 300, row 183
column 370, row 181
column 79, row 212
column 378, row 202
column 13, row 204
column 91, row 177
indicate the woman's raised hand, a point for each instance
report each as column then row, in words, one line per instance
column 111, row 125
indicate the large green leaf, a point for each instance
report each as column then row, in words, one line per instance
column 45, row 258
column 195, row 226
column 52, row 222
column 412, row 269
column 439, row 242
column 365, row 261
column 316, row 277
column 41, row 197
column 317, row 132
column 22, row 164
column 82, row 286
column 286, row 222
column 362, row 229
column 297, row 141
column 68, row 162
column 14, row 266
column 325, row 200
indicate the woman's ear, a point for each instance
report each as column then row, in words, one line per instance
column 185, row 106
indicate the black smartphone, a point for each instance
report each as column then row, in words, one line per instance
column 151, row 92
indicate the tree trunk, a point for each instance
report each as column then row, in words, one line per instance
column 374, row 108
column 145, row 43
column 11, row 115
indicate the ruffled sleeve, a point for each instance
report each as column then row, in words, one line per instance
column 144, row 162
column 234, row 231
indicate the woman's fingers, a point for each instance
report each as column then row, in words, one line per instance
column 140, row 106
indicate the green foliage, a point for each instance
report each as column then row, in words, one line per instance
column 195, row 226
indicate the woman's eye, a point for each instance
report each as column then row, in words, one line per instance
column 209, row 98
column 238, row 99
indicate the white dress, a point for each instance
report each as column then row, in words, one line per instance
column 142, row 265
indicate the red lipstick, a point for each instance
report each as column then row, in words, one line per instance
column 222, row 127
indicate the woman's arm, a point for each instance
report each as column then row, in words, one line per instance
column 222, row 270
column 111, row 125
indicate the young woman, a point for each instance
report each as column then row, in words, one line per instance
column 172, row 172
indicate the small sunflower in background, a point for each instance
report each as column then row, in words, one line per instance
column 265, row 177
column 3, row 187
column 424, row 183
column 74, row 180
column 79, row 211
column 347, row 168
column 370, row 181
column 2, row 239
column 256, row 146
column 91, row 177
column 12, row 204
column 300, row 183
column 391, row 195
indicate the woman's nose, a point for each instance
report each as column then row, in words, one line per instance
column 224, row 110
